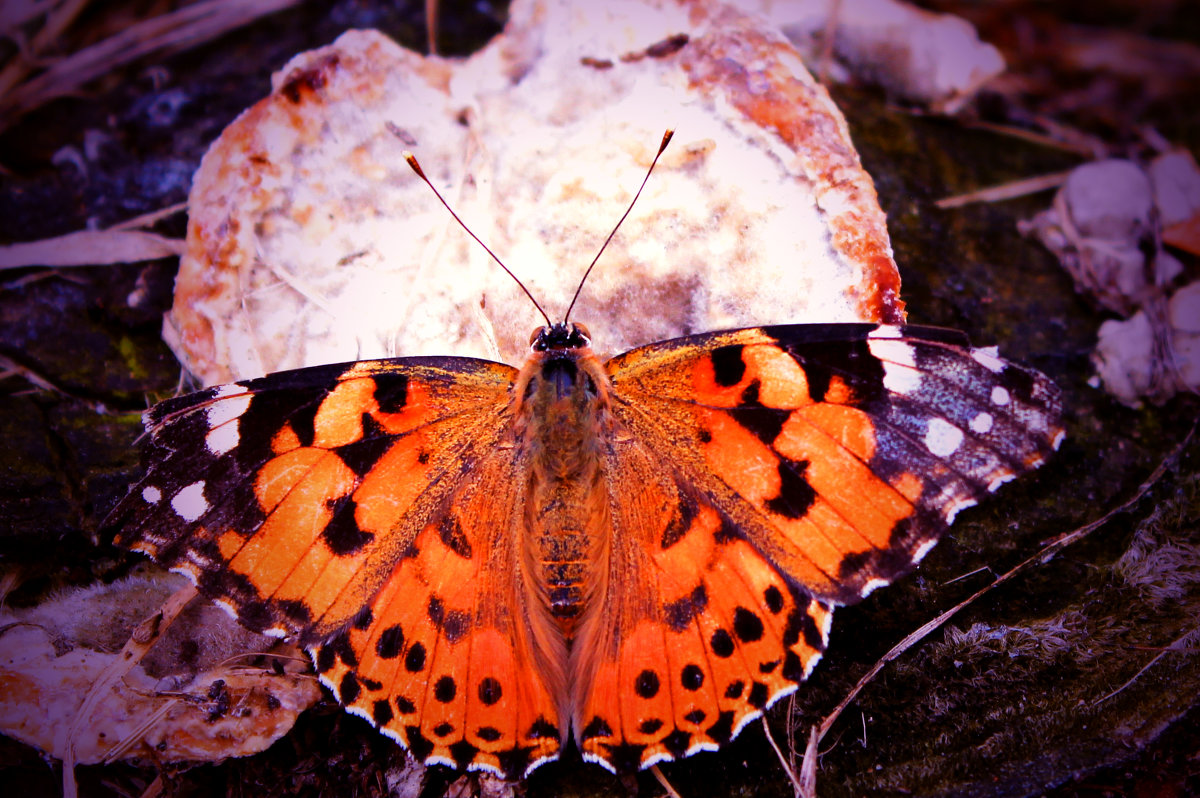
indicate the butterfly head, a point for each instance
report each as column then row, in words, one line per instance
column 560, row 337
column 562, row 367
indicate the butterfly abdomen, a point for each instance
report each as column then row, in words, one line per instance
column 560, row 419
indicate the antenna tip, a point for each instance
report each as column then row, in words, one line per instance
column 412, row 162
column 666, row 139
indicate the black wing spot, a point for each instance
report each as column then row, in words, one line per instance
column 758, row 695
column 381, row 712
column 256, row 616
column 681, row 522
column 691, row 677
column 339, row 645
column 696, row 716
column 463, row 752
column 363, row 619
column 765, row 422
column 746, row 625
column 414, row 661
column 405, row 706
column 348, row 689
column 625, row 757
column 445, row 689
column 647, row 684
column 721, row 644
column 773, row 599
column 812, row 634
column 488, row 734
column 796, row 496
column 722, row 730
column 677, row 742
column 490, row 691
column 418, row 743
column 681, row 612
column 735, row 689
column 793, row 668
column 455, row 626
column 542, row 728
column 362, row 455
column 650, row 726
column 451, row 533
column 597, row 727
column 342, row 534
column 326, row 659
column 391, row 392
column 443, row 729
column 728, row 366
column 390, row 642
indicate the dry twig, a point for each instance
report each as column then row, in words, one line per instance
column 177, row 30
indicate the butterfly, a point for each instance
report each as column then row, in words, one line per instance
column 640, row 554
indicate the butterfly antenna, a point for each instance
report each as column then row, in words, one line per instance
column 666, row 139
column 416, row 167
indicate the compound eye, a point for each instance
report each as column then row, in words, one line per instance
column 536, row 334
column 582, row 330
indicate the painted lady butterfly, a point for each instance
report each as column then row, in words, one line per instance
column 642, row 554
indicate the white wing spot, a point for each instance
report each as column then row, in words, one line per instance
column 982, row 423
column 229, row 609
column 222, row 416
column 989, row 358
column 956, row 508
column 188, row 571
column 942, row 438
column 541, row 760
column 1000, row 396
column 900, row 374
column 222, row 439
column 995, row 484
column 885, row 331
column 189, row 503
column 151, row 494
column 922, row 550
column 1058, row 439
column 586, row 756
column 750, row 716
column 871, row 586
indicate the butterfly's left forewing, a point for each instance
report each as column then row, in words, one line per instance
column 366, row 510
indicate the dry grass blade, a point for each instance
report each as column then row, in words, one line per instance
column 58, row 18
column 1182, row 643
column 1044, row 554
column 808, row 769
column 1006, row 191
column 797, row 787
column 666, row 785
column 177, row 30
column 90, row 248
column 151, row 218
